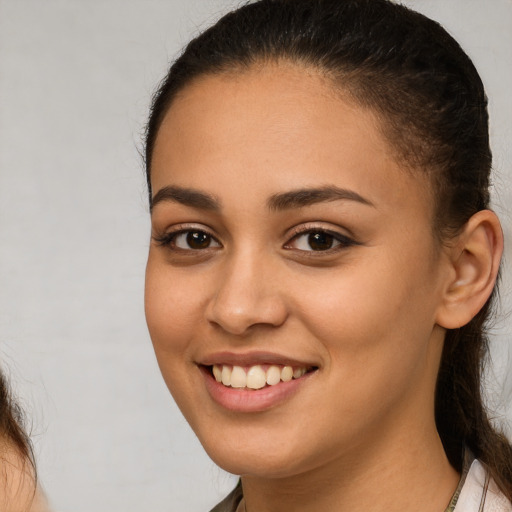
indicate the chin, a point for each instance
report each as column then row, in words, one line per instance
column 257, row 466
column 261, row 456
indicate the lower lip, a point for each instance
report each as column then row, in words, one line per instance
column 251, row 400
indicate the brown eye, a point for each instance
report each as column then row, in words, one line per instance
column 320, row 241
column 198, row 239
column 315, row 241
column 193, row 240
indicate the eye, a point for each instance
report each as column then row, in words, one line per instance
column 318, row 241
column 194, row 240
column 188, row 240
column 315, row 242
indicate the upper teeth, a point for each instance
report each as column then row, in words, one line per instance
column 255, row 377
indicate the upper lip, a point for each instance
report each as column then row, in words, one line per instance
column 252, row 358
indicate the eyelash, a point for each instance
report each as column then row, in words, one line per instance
column 341, row 241
column 169, row 239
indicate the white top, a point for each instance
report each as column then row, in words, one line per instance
column 480, row 493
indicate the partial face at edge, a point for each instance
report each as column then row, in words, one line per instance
column 284, row 233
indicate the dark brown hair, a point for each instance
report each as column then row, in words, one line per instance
column 12, row 432
column 433, row 109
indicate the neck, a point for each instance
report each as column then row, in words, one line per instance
column 410, row 472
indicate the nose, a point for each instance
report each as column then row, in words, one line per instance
column 248, row 294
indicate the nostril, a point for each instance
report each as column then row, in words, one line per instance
column 239, row 320
column 245, row 297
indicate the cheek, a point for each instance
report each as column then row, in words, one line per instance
column 377, row 341
column 172, row 306
column 374, row 313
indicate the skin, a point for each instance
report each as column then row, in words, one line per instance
column 18, row 489
column 359, row 432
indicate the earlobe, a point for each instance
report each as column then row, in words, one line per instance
column 475, row 259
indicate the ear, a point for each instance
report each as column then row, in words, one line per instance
column 474, row 258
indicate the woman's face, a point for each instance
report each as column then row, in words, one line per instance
column 286, row 239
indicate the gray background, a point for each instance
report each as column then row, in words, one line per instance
column 75, row 81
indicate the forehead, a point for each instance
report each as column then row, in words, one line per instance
column 277, row 126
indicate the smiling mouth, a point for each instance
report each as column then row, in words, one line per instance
column 257, row 376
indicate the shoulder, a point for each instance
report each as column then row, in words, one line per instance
column 480, row 493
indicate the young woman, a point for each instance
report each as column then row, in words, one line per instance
column 323, row 259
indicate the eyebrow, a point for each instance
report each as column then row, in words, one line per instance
column 186, row 196
column 308, row 196
column 283, row 201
